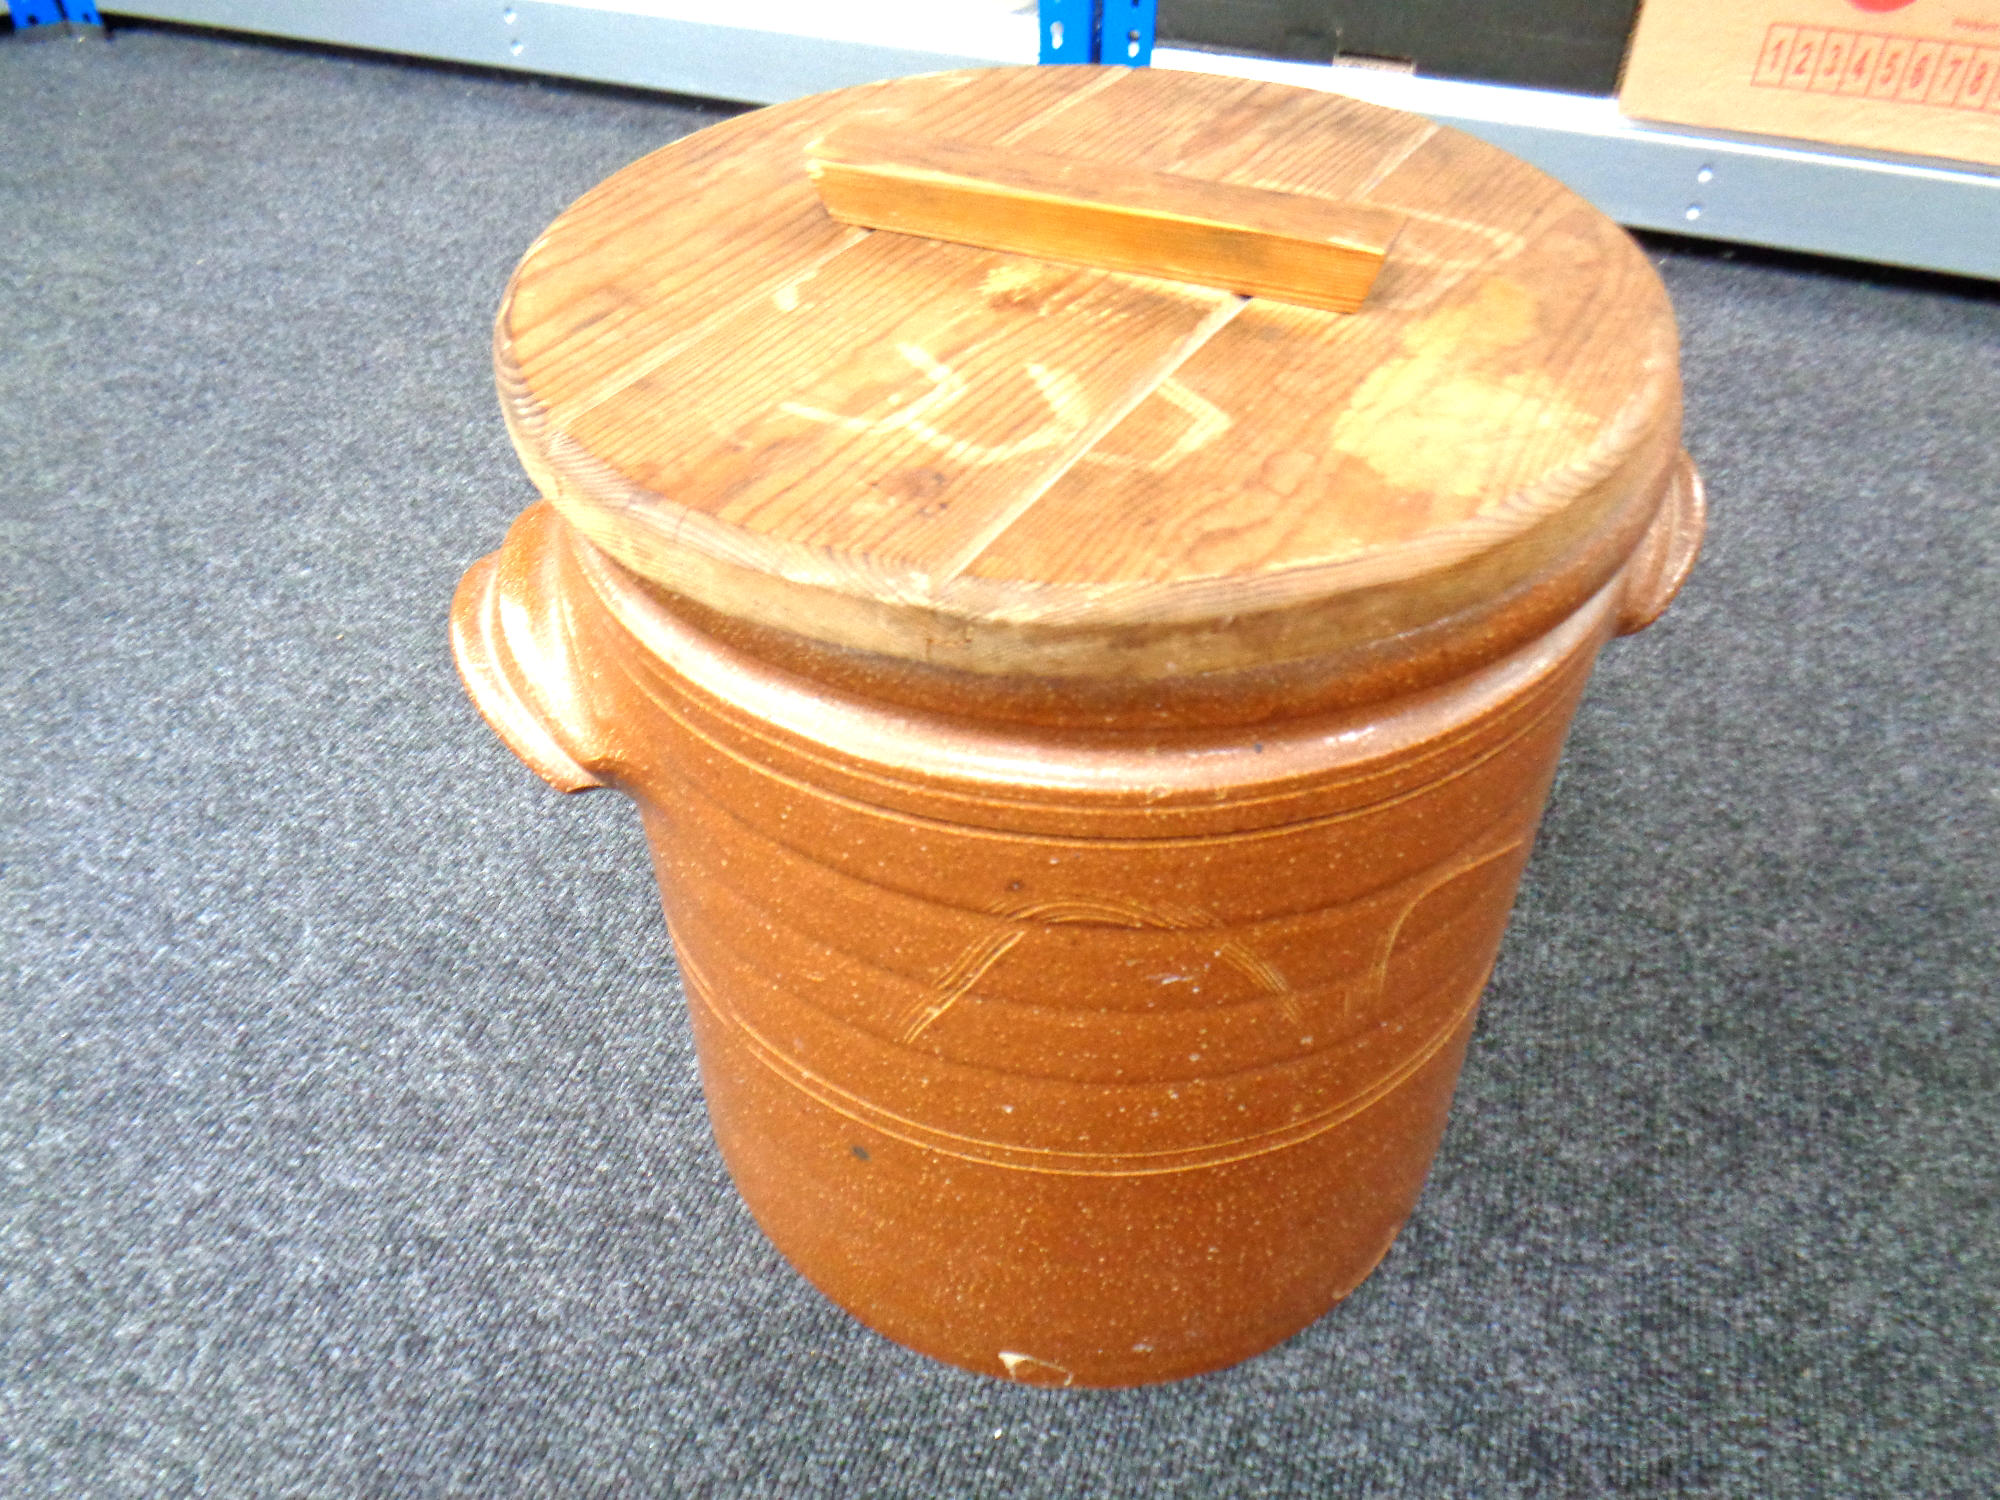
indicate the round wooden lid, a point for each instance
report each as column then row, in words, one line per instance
column 1007, row 465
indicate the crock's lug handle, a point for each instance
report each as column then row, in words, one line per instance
column 510, row 636
column 1665, row 555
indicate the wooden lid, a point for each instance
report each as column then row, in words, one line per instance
column 1005, row 465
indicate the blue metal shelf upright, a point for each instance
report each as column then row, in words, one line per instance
column 1098, row 31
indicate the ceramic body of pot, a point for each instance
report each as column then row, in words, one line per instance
column 1087, row 776
column 1062, row 1059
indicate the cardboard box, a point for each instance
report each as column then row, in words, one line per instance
column 1920, row 77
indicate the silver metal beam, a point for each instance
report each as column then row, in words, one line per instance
column 1933, row 215
column 751, row 51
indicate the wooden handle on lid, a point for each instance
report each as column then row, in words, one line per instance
column 1284, row 246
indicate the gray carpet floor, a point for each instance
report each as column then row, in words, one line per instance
column 350, row 1133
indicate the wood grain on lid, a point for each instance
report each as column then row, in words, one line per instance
column 1004, row 464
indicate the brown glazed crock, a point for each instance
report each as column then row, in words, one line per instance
column 1079, row 995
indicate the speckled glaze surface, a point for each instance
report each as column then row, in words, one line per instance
column 1063, row 1059
column 1084, row 844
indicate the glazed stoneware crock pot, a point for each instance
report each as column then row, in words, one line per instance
column 1089, row 725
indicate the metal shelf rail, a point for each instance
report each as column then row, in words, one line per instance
column 1932, row 215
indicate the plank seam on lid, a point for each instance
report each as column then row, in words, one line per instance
column 1388, row 166
column 1114, row 413
column 661, row 353
column 1034, row 122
